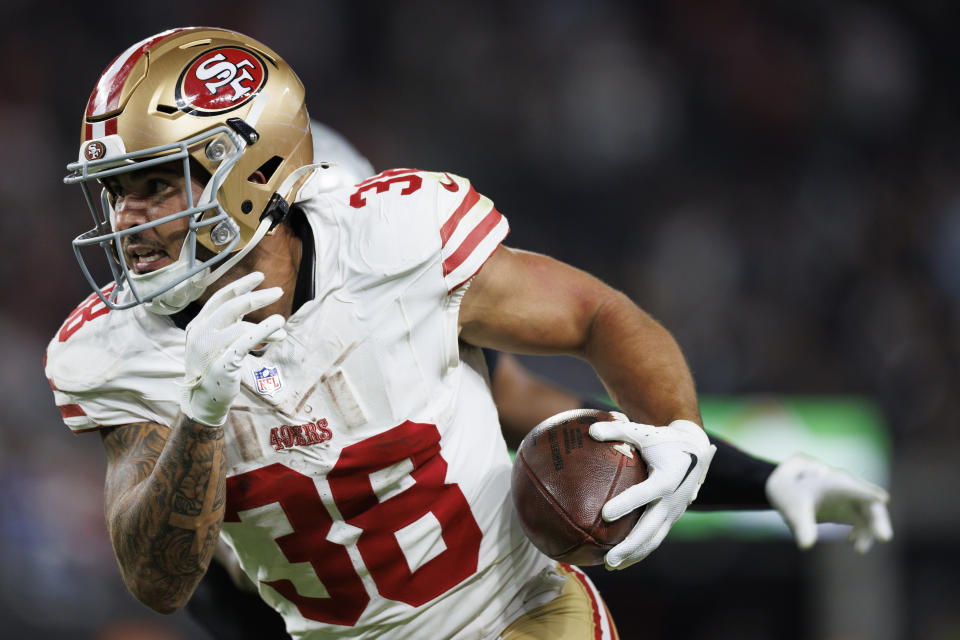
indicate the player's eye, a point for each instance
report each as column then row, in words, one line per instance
column 157, row 185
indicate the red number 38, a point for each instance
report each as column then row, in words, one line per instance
column 377, row 519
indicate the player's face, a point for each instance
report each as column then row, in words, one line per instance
column 145, row 196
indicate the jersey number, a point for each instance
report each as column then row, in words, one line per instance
column 378, row 520
column 382, row 182
column 89, row 309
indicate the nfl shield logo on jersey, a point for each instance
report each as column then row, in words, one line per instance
column 267, row 380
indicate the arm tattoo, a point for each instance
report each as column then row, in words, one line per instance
column 164, row 502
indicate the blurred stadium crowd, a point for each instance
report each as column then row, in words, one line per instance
column 776, row 181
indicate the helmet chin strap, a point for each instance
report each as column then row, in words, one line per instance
column 177, row 298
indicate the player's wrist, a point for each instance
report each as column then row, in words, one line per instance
column 212, row 425
column 202, row 413
column 737, row 480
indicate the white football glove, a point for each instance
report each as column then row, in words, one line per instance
column 677, row 456
column 217, row 341
column 806, row 491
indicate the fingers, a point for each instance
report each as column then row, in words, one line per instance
column 268, row 330
column 605, row 431
column 637, row 545
column 235, row 300
column 644, row 435
column 657, row 485
column 862, row 539
column 677, row 457
column 279, row 335
column 232, row 310
column 233, row 289
column 800, row 516
column 866, row 505
column 880, row 522
column 874, row 526
column 664, row 477
column 644, row 539
column 842, row 482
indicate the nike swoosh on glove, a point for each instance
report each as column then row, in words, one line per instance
column 677, row 456
column 217, row 341
column 806, row 491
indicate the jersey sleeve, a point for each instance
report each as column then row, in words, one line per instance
column 470, row 231
column 72, row 412
column 404, row 220
column 91, row 411
column 103, row 373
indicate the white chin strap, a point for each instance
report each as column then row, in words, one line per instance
column 177, row 298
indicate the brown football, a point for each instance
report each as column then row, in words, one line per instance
column 561, row 479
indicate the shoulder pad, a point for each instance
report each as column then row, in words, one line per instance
column 420, row 212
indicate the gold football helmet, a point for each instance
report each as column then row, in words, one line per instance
column 212, row 96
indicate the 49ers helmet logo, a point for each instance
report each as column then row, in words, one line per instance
column 94, row 150
column 220, row 80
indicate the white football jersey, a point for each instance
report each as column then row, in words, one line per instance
column 368, row 481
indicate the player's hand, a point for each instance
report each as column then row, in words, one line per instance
column 677, row 456
column 217, row 341
column 806, row 491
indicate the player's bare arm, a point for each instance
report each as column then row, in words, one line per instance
column 164, row 502
column 526, row 302
column 530, row 303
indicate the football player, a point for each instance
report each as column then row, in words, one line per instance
column 279, row 363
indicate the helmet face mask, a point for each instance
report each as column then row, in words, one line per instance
column 202, row 216
column 210, row 97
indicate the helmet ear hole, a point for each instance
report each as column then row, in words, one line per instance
column 265, row 171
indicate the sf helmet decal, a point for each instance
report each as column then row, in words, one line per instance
column 220, row 80
column 94, row 150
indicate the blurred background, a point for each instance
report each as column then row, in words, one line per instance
column 776, row 181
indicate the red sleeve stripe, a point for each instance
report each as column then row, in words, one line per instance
column 72, row 411
column 106, row 95
column 470, row 243
column 463, row 275
column 450, row 225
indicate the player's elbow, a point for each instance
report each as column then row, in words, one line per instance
column 165, row 608
column 159, row 601
column 167, row 595
column 614, row 316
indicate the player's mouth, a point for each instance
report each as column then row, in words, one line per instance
column 145, row 258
